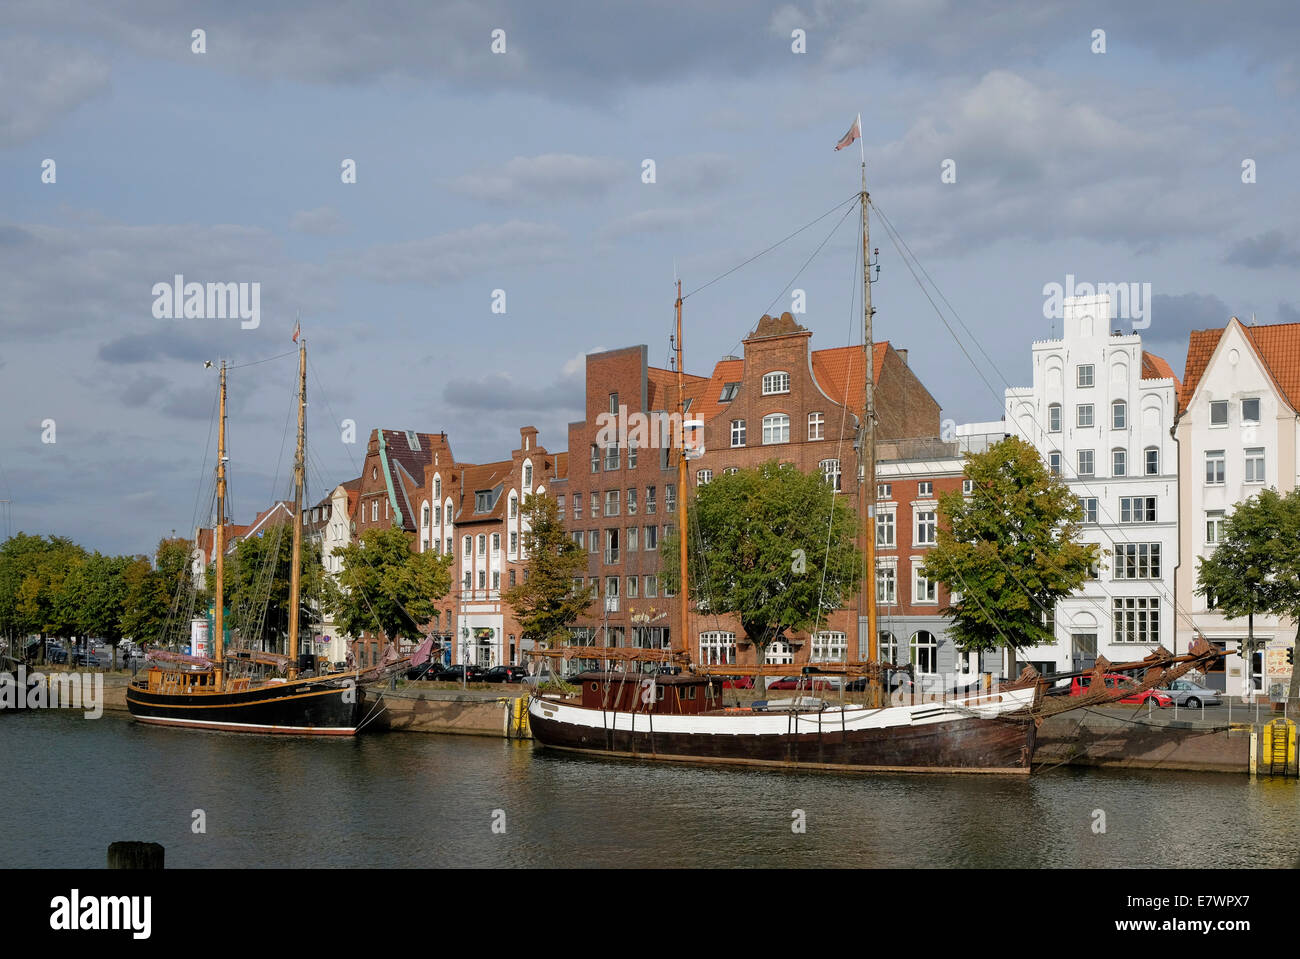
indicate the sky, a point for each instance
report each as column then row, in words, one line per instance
column 521, row 169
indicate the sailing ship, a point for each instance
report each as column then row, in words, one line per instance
column 676, row 713
column 222, row 692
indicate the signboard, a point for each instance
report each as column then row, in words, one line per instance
column 199, row 637
column 1275, row 664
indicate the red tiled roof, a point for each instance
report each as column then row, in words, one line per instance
column 562, row 465
column 1277, row 346
column 1158, row 368
column 661, row 388
column 724, row 372
column 834, row 367
column 483, row 477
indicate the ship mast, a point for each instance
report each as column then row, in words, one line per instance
column 684, row 611
column 295, row 569
column 218, row 615
column 867, row 485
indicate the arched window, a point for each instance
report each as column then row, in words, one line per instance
column 778, row 382
column 776, row 428
column 1119, row 415
column 831, row 472
column 779, row 652
column 925, row 652
column 528, row 476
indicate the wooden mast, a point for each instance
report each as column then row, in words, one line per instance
column 682, row 532
column 219, row 612
column 295, row 571
column 867, row 488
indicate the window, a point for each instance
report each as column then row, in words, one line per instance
column 611, row 457
column 927, row 524
column 1054, row 418
column 829, row 647
column 1152, row 456
column 651, row 586
column 887, row 585
column 374, row 511
column 1089, row 504
column 611, row 593
column 776, row 383
column 482, row 545
column 483, row 501
column 593, row 541
column 670, row 497
column 613, row 403
column 469, row 548
column 1137, row 619
column 512, row 578
column 1250, row 410
column 1054, row 462
column 1119, row 415
column 528, row 477
column 424, row 516
column 1214, row 465
column 729, row 391
column 631, row 539
column 437, row 516
column 1085, row 463
column 496, row 579
column 467, row 582
column 1137, row 561
column 884, row 490
column 595, row 458
column 631, row 501
column 577, row 506
column 718, row 648
column 925, row 652
column 514, row 543
column 559, row 504
column 611, row 502
column 1218, row 412
column 595, row 503
column 968, row 486
column 816, row 426
column 737, row 433
column 730, row 469
column 702, row 477
column 482, row 579
column 831, row 472
column 1119, row 462
column 925, row 488
column 631, row 587
column 631, row 455
column 923, row 590
column 1137, row 509
column 649, row 500
column 1083, row 414
column 652, row 538
column 887, row 647
column 437, row 487
column 496, row 543
column 1084, row 379
column 776, row 429
column 885, row 529
column 611, row 546
column 1214, row 526
column 448, row 545
column 1255, row 465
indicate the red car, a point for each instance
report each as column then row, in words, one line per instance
column 1079, row 687
column 738, row 682
column 804, row 682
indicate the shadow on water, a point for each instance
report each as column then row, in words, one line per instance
column 408, row 800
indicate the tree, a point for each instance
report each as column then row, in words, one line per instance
column 773, row 545
column 546, row 602
column 155, row 590
column 1010, row 551
column 387, row 588
column 1256, row 566
column 257, row 581
column 96, row 590
column 44, row 603
column 29, row 567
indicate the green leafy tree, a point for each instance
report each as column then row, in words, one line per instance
column 96, row 589
column 387, row 588
column 155, row 590
column 29, row 566
column 546, row 602
column 257, row 580
column 773, row 545
column 1256, row 566
column 45, row 603
column 1010, row 550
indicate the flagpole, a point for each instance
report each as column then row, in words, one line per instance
column 862, row 151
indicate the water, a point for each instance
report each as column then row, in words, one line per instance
column 72, row 786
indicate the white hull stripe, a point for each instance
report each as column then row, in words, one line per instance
column 168, row 721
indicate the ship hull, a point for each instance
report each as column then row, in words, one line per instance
column 915, row 741
column 294, row 709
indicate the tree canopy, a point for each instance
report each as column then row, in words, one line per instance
column 257, row 578
column 773, row 545
column 546, row 602
column 1009, row 551
column 387, row 588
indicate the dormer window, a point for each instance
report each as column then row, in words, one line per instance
column 776, row 383
column 482, row 501
column 729, row 391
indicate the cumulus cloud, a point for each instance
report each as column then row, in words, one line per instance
column 548, row 176
column 1268, row 249
column 42, row 82
column 322, row 221
column 447, row 257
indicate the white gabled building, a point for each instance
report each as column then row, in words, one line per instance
column 1237, row 432
column 1101, row 410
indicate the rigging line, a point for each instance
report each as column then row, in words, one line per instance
column 1158, row 585
column 240, row 366
column 835, row 229
column 791, row 236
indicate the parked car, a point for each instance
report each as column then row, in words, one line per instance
column 738, row 682
column 505, row 674
column 1079, row 687
column 806, row 682
column 454, row 674
column 1187, row 693
column 424, row 670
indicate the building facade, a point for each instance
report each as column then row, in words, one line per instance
column 1237, row 432
column 1100, row 411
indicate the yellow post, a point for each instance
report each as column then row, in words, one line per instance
column 1254, row 751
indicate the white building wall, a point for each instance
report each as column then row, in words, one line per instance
column 1116, row 363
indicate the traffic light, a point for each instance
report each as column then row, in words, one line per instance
column 1290, row 655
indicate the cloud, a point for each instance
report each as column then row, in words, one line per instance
column 1286, row 313
column 322, row 221
column 1268, row 249
column 661, row 220
column 452, row 256
column 502, row 392
column 42, row 82
column 548, row 176
column 142, row 389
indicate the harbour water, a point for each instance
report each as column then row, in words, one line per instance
column 72, row 786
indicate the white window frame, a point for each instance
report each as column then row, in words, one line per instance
column 776, row 382
column 737, row 434
column 932, row 526
column 1254, row 461
column 829, row 646
column 1087, row 463
column 886, row 523
column 816, row 426
column 1084, row 412
column 776, row 429
column 925, row 592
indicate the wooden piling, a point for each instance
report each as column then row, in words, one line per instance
column 135, row 855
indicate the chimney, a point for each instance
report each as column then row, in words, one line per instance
column 527, row 437
column 902, row 355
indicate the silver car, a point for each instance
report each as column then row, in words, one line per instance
column 1189, row 694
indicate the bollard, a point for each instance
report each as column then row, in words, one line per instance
column 135, row 855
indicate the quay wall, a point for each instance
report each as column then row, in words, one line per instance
column 1090, row 740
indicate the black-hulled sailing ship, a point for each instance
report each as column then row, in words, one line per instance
column 251, row 691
